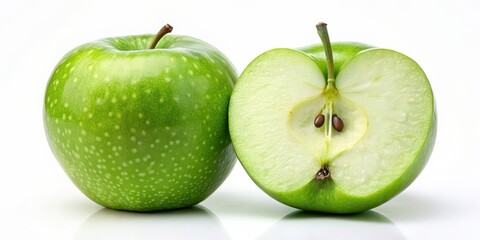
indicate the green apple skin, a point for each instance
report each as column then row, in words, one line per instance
column 142, row 129
column 342, row 52
column 325, row 195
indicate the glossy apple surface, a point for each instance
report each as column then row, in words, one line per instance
column 142, row 129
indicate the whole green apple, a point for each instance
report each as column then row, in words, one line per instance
column 341, row 131
column 142, row 129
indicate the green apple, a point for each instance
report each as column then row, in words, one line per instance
column 340, row 133
column 142, row 129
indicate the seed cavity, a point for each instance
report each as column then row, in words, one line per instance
column 319, row 121
column 337, row 123
column 323, row 173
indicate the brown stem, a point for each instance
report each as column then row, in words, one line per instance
column 163, row 31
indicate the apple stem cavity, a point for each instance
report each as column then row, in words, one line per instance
column 323, row 173
column 330, row 90
column 163, row 31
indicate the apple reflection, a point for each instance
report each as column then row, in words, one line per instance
column 189, row 223
column 308, row 225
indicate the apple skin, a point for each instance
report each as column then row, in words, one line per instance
column 142, row 129
column 325, row 196
column 342, row 52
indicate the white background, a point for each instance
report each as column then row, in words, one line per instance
column 38, row 201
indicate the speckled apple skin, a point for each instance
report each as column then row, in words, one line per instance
column 138, row 129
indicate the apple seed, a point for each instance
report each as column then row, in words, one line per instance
column 323, row 173
column 319, row 120
column 337, row 123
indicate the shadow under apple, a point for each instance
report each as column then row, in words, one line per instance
column 188, row 223
column 310, row 225
column 414, row 206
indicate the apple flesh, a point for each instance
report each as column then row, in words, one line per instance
column 142, row 129
column 387, row 107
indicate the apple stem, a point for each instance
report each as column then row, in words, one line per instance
column 163, row 31
column 323, row 33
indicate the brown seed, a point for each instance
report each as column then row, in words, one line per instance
column 337, row 123
column 319, row 120
column 323, row 173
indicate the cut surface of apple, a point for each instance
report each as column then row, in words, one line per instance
column 387, row 107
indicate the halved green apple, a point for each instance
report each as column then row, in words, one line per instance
column 383, row 100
